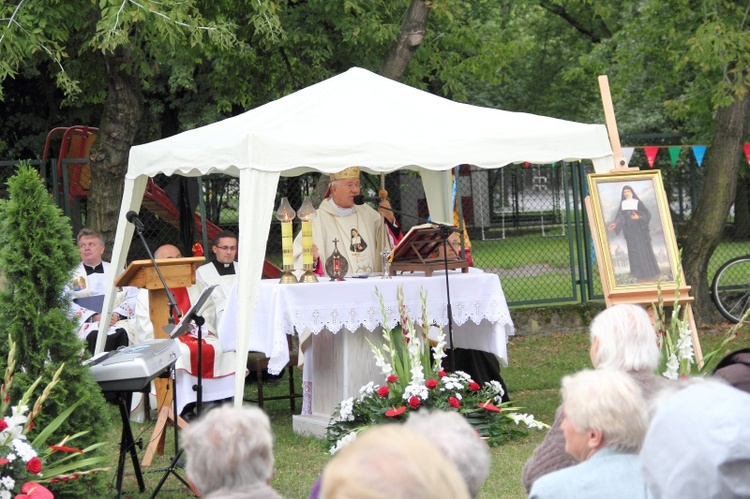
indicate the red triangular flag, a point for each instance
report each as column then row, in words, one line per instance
column 651, row 152
column 747, row 152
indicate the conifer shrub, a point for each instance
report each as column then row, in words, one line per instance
column 37, row 256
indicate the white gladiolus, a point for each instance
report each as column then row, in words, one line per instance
column 672, row 365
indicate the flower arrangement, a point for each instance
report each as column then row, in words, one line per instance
column 676, row 341
column 24, row 463
column 415, row 380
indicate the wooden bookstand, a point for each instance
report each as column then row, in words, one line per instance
column 178, row 272
column 416, row 249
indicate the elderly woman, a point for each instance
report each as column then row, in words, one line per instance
column 391, row 461
column 230, row 454
column 457, row 440
column 623, row 338
column 604, row 423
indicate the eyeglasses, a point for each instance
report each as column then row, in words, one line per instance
column 227, row 248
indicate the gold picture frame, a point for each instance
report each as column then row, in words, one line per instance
column 634, row 232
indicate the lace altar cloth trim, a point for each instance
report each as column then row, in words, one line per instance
column 353, row 304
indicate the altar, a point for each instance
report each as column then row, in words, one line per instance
column 336, row 317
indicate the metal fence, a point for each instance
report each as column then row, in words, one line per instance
column 526, row 223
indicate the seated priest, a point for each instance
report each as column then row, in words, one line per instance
column 217, row 366
column 222, row 270
column 87, row 288
column 359, row 232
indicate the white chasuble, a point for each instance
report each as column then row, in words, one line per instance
column 359, row 237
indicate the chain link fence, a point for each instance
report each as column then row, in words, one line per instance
column 525, row 223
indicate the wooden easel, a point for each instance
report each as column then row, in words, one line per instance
column 178, row 272
column 644, row 297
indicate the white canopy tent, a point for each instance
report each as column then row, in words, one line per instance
column 355, row 118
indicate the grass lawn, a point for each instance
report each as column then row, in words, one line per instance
column 538, row 363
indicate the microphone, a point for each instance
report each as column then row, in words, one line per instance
column 361, row 199
column 132, row 217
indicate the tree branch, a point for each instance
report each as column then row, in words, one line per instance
column 593, row 28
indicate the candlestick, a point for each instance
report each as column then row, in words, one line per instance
column 285, row 214
column 307, row 213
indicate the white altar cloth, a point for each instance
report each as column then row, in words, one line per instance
column 481, row 317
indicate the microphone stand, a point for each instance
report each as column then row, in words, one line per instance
column 173, row 307
column 445, row 232
column 199, row 321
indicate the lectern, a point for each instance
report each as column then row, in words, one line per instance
column 178, row 272
column 415, row 252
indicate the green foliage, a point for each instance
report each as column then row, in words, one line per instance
column 36, row 257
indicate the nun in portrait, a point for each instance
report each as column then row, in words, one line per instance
column 633, row 220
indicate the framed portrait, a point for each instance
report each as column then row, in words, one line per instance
column 633, row 230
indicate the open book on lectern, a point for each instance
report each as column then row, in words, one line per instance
column 418, row 244
column 184, row 324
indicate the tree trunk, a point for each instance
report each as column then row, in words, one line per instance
column 705, row 228
column 412, row 33
column 109, row 154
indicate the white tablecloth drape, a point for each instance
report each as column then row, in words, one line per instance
column 480, row 313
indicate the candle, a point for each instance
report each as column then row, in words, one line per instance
column 285, row 214
column 307, row 214
column 286, row 243
column 307, row 243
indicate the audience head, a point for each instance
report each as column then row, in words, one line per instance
column 229, row 448
column 457, row 440
column 225, row 246
column 344, row 186
column 602, row 408
column 167, row 251
column 697, row 444
column 390, row 461
column 622, row 337
column 734, row 368
column 91, row 246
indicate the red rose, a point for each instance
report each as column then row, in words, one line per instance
column 414, row 402
column 383, row 391
column 453, row 401
column 34, row 465
column 431, row 383
column 392, row 378
column 392, row 413
column 474, row 386
column 3, row 424
column 441, row 374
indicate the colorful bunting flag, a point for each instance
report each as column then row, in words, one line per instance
column 651, row 152
column 699, row 152
column 747, row 152
column 628, row 153
column 674, row 153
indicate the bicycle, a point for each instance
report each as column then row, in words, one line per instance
column 730, row 289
